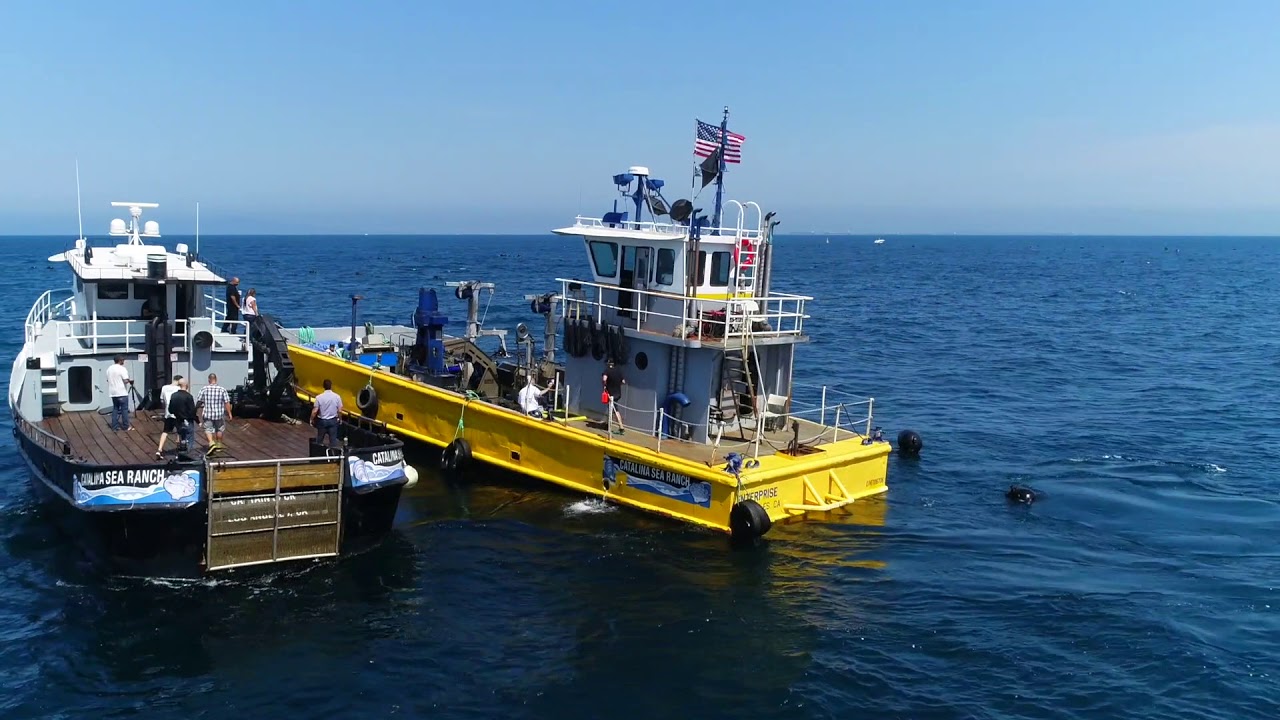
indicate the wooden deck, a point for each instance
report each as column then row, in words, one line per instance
column 92, row 439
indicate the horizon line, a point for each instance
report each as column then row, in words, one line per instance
column 809, row 233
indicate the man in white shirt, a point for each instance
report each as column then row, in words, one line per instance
column 118, row 383
column 170, row 423
column 324, row 415
column 529, row 396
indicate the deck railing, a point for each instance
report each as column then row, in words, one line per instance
column 91, row 337
column 714, row 319
column 673, row 229
column 44, row 438
column 52, row 304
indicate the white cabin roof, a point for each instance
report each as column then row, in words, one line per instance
column 596, row 228
column 129, row 262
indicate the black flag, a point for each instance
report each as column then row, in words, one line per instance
column 710, row 167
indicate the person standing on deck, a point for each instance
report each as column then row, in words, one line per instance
column 233, row 305
column 529, row 397
column 213, row 409
column 613, row 382
column 170, row 425
column 183, row 408
column 118, row 383
column 324, row 415
column 251, row 309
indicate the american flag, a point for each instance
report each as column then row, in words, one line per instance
column 707, row 141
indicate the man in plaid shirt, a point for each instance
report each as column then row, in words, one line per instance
column 213, row 409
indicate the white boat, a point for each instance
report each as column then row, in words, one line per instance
column 182, row 512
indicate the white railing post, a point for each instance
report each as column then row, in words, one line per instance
column 835, row 428
column 870, row 403
column 662, row 416
column 822, row 420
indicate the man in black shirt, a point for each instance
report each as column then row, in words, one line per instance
column 613, row 382
column 233, row 305
column 182, row 406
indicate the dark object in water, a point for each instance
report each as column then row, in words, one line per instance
column 1021, row 494
column 910, row 443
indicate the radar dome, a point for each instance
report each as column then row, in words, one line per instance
column 151, row 227
column 117, row 227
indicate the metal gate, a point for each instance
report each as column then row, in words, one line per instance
column 265, row 511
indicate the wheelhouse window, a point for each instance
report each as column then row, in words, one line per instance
column 666, row 267
column 720, row 266
column 113, row 291
column 605, row 257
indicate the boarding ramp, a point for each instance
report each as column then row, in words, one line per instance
column 266, row 511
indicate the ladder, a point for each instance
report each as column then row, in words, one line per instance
column 737, row 386
column 746, row 253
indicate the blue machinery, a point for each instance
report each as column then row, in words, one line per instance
column 427, row 356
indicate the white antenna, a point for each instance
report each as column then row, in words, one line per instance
column 197, row 228
column 79, row 217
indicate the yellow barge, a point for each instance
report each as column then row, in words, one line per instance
column 703, row 422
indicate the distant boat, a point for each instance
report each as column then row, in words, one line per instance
column 879, row 241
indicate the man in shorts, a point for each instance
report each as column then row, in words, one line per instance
column 213, row 409
column 170, row 423
column 613, row 384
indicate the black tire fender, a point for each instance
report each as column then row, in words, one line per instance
column 456, row 455
column 367, row 401
column 748, row 521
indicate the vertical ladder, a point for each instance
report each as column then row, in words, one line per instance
column 49, row 385
column 737, row 389
column 746, row 252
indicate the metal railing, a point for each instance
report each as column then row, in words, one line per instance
column 42, row 437
column 215, row 307
column 773, row 315
column 90, row 337
column 52, row 304
column 674, row 229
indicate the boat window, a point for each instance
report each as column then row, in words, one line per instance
column 79, row 384
column 666, row 267
column 720, row 268
column 605, row 257
column 113, row 291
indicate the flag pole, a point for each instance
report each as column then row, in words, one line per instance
column 724, row 131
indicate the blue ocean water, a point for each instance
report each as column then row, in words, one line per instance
column 1131, row 381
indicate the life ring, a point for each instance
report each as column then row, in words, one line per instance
column 367, row 401
column 748, row 521
column 456, row 455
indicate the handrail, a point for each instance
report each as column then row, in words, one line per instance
column 42, row 436
column 783, row 313
column 662, row 228
column 44, row 309
column 73, row 341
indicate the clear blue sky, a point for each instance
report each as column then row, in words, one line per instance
column 1141, row 116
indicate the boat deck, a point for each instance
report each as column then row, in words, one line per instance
column 93, row 441
column 733, row 440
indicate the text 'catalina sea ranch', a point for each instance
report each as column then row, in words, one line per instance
column 651, row 473
column 136, row 478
